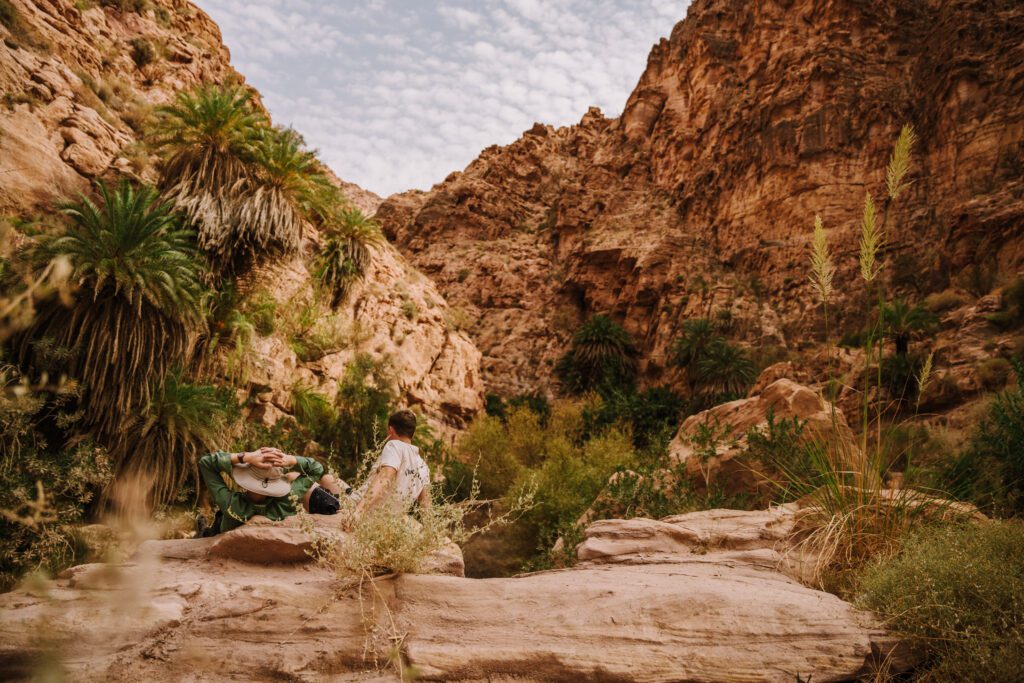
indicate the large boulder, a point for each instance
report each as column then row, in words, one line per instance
column 699, row 597
column 783, row 399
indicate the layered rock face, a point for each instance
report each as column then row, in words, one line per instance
column 749, row 120
column 706, row 596
column 78, row 85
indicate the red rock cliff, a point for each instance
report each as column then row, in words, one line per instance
column 749, row 119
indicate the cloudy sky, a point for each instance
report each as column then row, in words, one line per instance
column 396, row 94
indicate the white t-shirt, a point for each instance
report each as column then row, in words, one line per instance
column 413, row 474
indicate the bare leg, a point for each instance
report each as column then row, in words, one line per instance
column 331, row 483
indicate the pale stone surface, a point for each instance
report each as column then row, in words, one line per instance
column 697, row 597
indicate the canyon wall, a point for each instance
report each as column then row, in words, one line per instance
column 79, row 81
column 748, row 120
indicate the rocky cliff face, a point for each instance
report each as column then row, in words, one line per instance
column 79, row 80
column 749, row 120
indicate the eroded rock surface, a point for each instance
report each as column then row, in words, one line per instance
column 700, row 198
column 697, row 597
column 783, row 400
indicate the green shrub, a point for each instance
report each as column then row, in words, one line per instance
column 45, row 491
column 1011, row 307
column 262, row 311
column 943, row 301
column 142, row 51
column 483, row 448
column 8, row 14
column 652, row 416
column 779, row 446
column 990, row 470
column 567, row 482
column 959, row 592
column 136, row 6
column 363, row 404
column 993, row 373
column 900, row 377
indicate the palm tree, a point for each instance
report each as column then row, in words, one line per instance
column 181, row 422
column 346, row 253
column 602, row 356
column 698, row 336
column 901, row 322
column 210, row 137
column 724, row 371
column 139, row 284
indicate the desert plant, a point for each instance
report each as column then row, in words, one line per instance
column 261, row 309
column 182, row 422
column 226, row 336
column 139, row 299
column 311, row 408
column 958, row 593
column 990, row 470
column 363, row 402
column 210, row 137
column 724, row 372
column 602, row 356
column 347, row 252
column 698, row 336
column 1011, row 306
column 902, row 321
column 652, row 416
column 946, row 300
column 142, row 51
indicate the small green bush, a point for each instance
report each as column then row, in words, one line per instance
column 262, row 311
column 135, row 6
column 943, row 301
column 958, row 591
column 990, row 470
column 994, row 372
column 1011, row 307
column 652, row 416
column 142, row 51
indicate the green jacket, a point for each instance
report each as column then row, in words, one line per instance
column 237, row 507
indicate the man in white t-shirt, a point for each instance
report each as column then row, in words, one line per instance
column 399, row 473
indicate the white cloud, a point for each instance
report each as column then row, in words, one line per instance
column 397, row 94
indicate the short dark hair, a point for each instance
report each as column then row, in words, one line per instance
column 404, row 422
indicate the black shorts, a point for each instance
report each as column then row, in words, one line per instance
column 323, row 502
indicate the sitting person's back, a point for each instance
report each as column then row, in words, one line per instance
column 399, row 474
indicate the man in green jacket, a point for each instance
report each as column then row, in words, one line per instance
column 270, row 489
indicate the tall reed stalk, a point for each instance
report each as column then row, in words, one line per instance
column 847, row 515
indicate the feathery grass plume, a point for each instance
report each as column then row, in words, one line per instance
column 899, row 162
column 823, row 270
column 870, row 241
column 924, row 376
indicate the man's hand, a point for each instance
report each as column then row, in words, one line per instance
column 278, row 458
column 259, row 460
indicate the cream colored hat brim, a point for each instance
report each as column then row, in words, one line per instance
column 275, row 488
